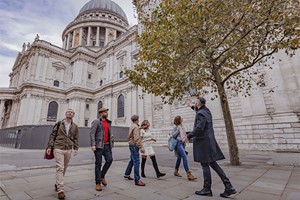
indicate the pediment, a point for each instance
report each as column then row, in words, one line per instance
column 101, row 65
column 59, row 65
column 121, row 54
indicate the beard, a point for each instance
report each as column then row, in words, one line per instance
column 104, row 116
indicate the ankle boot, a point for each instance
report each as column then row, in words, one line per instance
column 158, row 173
column 190, row 177
column 176, row 173
column 143, row 167
column 229, row 189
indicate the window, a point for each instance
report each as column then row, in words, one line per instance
column 101, row 82
column 86, row 122
column 87, row 106
column 121, row 74
column 101, row 43
column 89, row 76
column 52, row 111
column 120, row 106
column 100, row 105
column 56, row 83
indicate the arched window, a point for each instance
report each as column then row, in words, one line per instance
column 52, row 111
column 56, row 83
column 121, row 106
column 101, row 82
column 100, row 105
column 121, row 74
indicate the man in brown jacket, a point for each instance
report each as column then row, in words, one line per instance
column 64, row 136
column 135, row 145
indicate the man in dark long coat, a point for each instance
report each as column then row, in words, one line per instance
column 206, row 149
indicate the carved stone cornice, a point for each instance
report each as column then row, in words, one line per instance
column 121, row 120
column 37, row 96
column 121, row 54
column 101, row 65
column 59, row 65
column 77, row 98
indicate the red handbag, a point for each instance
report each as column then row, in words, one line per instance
column 49, row 156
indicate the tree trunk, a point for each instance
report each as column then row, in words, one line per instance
column 232, row 145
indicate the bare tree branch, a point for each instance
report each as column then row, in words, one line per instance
column 256, row 60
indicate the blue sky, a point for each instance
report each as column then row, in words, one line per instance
column 21, row 20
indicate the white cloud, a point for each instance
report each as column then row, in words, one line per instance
column 5, row 68
column 21, row 20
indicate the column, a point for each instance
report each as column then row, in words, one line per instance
column 97, row 36
column 64, row 42
column 80, row 36
column 106, row 37
column 2, row 101
column 68, row 41
column 73, row 39
column 45, row 68
column 89, row 36
column 38, row 66
column 33, row 66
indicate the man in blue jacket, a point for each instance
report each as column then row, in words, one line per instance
column 206, row 149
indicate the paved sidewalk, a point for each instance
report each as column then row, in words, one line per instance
column 254, row 179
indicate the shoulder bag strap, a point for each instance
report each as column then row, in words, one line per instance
column 58, row 124
column 176, row 135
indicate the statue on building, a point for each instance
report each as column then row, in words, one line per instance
column 24, row 47
column 28, row 45
column 6, row 116
column 37, row 37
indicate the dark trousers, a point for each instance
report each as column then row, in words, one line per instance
column 207, row 174
column 107, row 154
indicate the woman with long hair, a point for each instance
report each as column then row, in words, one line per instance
column 147, row 140
column 180, row 148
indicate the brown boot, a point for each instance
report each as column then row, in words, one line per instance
column 176, row 173
column 98, row 187
column 104, row 182
column 61, row 196
column 190, row 177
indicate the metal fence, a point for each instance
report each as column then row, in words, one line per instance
column 36, row 137
column 10, row 138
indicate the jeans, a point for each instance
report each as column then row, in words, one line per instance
column 207, row 174
column 107, row 154
column 134, row 162
column 180, row 149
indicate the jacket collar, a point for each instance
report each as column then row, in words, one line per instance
column 108, row 121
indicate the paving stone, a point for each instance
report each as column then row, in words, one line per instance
column 47, row 191
column 155, row 196
column 267, row 188
column 4, row 198
column 254, row 195
column 290, row 194
column 19, row 196
column 78, row 195
column 53, row 197
column 114, row 196
column 180, row 192
column 15, row 181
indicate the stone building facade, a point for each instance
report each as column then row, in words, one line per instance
column 87, row 72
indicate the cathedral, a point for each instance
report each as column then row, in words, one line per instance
column 87, row 73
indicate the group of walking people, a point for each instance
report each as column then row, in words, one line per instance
column 206, row 151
